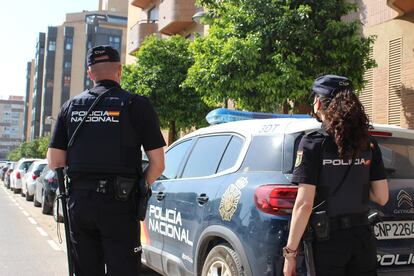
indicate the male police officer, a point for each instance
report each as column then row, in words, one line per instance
column 106, row 151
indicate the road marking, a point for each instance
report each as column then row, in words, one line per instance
column 17, row 204
column 53, row 245
column 20, row 208
column 32, row 221
column 25, row 213
column 41, row 231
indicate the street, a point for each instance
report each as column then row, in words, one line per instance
column 28, row 239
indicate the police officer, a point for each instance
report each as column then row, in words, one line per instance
column 105, row 151
column 344, row 154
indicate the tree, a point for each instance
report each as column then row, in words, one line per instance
column 33, row 149
column 266, row 53
column 158, row 73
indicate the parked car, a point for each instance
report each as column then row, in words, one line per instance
column 225, row 199
column 17, row 174
column 7, row 174
column 45, row 193
column 29, row 179
column 3, row 170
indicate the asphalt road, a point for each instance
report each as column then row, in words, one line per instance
column 29, row 244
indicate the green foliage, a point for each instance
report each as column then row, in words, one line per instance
column 33, row 149
column 158, row 73
column 264, row 53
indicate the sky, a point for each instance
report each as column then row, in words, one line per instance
column 20, row 23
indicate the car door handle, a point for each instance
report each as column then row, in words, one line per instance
column 160, row 196
column 202, row 199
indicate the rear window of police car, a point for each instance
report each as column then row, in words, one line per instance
column 398, row 156
column 264, row 154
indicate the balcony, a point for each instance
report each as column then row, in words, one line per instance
column 139, row 32
column 401, row 6
column 175, row 15
column 143, row 4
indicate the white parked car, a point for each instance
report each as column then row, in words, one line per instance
column 17, row 174
column 29, row 179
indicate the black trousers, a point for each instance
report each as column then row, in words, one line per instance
column 104, row 231
column 347, row 252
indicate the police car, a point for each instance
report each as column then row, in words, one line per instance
column 224, row 201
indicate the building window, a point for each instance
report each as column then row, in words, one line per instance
column 66, row 81
column 52, row 46
column 69, row 42
column 49, row 83
column 67, row 65
column 115, row 41
column 153, row 14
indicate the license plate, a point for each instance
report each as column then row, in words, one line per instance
column 391, row 230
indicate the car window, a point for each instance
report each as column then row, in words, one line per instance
column 398, row 156
column 231, row 154
column 31, row 167
column 173, row 158
column 40, row 167
column 25, row 165
column 264, row 154
column 206, row 155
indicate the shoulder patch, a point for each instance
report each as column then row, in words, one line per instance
column 299, row 156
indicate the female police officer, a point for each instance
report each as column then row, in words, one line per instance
column 340, row 169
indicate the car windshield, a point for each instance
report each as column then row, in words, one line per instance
column 398, row 157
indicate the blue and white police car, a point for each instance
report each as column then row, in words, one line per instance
column 224, row 201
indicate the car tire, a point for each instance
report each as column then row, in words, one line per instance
column 222, row 260
column 46, row 209
column 16, row 191
column 21, row 192
column 29, row 197
column 35, row 202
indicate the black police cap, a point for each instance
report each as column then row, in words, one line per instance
column 102, row 53
column 329, row 85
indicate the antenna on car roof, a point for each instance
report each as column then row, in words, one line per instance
column 224, row 115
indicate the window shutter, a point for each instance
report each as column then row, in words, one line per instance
column 394, row 84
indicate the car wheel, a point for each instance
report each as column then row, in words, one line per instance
column 35, row 202
column 46, row 209
column 222, row 261
column 21, row 192
column 29, row 197
column 16, row 191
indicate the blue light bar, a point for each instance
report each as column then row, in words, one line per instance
column 224, row 115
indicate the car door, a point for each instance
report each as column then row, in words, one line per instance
column 153, row 229
column 395, row 235
column 187, row 200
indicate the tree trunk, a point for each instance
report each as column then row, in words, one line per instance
column 172, row 133
column 285, row 107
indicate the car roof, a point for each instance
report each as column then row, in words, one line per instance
column 260, row 127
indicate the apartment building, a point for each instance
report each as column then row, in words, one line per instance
column 11, row 124
column 29, row 100
column 388, row 96
column 60, row 70
column 37, row 87
column 163, row 18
